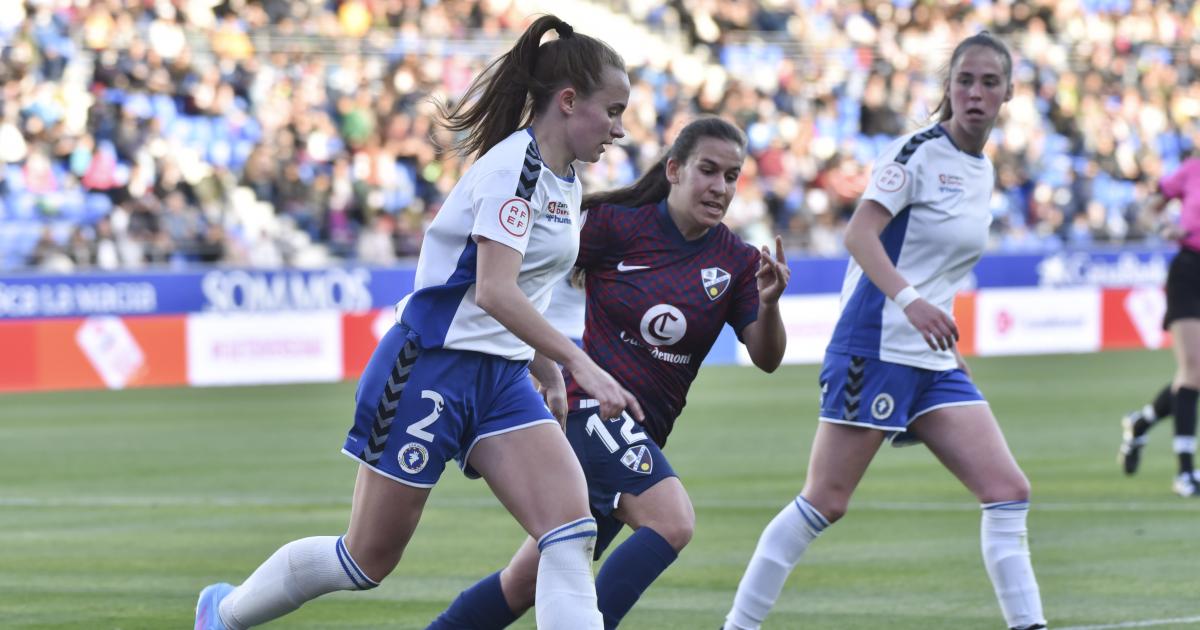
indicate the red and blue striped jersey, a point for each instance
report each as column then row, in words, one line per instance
column 657, row 302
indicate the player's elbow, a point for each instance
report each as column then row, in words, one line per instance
column 765, row 353
column 767, row 364
column 489, row 297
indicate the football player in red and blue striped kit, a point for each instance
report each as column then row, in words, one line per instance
column 664, row 276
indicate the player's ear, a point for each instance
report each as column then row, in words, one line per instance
column 672, row 171
column 566, row 100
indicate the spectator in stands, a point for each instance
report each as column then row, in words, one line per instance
column 1108, row 105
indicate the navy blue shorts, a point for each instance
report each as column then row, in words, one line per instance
column 617, row 458
column 888, row 396
column 418, row 409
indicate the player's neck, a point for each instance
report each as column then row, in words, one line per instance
column 552, row 146
column 689, row 228
column 965, row 140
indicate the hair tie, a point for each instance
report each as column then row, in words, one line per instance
column 564, row 30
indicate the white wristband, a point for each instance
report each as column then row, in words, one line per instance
column 906, row 296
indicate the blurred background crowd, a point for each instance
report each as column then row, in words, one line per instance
column 270, row 133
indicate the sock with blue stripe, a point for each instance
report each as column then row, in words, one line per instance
column 566, row 590
column 1004, row 539
column 481, row 607
column 298, row 572
column 780, row 547
column 628, row 572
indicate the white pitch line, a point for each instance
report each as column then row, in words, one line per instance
column 1137, row 624
column 487, row 501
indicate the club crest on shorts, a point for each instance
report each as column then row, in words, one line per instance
column 715, row 280
column 638, row 459
column 883, row 406
column 412, row 458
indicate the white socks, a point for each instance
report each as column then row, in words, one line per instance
column 298, row 572
column 1006, row 556
column 566, row 588
column 780, row 546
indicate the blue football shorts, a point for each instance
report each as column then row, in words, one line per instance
column 617, row 458
column 417, row 409
column 888, row 396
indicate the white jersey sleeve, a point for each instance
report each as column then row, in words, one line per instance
column 893, row 185
column 500, row 215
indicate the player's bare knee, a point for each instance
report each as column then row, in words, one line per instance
column 832, row 507
column 1015, row 488
column 676, row 531
column 376, row 560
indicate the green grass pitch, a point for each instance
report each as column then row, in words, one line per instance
column 117, row 507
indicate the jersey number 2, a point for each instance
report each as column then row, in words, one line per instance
column 417, row 429
column 595, row 426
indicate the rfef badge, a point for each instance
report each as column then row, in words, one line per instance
column 715, row 280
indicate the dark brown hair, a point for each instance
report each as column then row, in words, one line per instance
column 982, row 38
column 521, row 83
column 653, row 186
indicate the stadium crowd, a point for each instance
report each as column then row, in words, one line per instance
column 295, row 132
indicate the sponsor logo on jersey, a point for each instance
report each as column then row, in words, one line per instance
column 412, row 458
column 637, row 458
column 557, row 212
column 715, row 280
column 622, row 267
column 514, row 216
column 950, row 183
column 891, row 178
column 663, row 325
column 883, row 406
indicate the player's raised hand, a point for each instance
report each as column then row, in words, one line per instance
column 607, row 391
column 773, row 273
column 938, row 328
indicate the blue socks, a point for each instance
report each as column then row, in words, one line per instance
column 628, row 572
column 624, row 576
column 481, row 607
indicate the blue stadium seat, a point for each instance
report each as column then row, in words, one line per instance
column 97, row 205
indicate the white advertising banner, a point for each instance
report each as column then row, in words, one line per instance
column 809, row 322
column 244, row 349
column 1037, row 321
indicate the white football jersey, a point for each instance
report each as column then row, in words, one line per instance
column 566, row 310
column 510, row 197
column 938, row 196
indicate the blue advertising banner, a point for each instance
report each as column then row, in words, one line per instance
column 219, row 290
column 357, row 289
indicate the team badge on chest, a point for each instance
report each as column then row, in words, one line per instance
column 638, row 459
column 715, row 280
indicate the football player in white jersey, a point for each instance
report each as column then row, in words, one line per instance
column 892, row 368
column 451, row 379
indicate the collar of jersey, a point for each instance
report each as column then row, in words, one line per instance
column 950, row 139
column 673, row 232
column 570, row 179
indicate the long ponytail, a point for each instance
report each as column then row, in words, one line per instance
column 515, row 87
